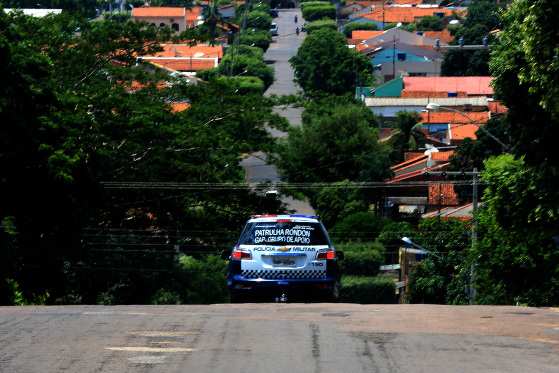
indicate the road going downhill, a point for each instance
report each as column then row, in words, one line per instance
column 284, row 47
column 282, row 338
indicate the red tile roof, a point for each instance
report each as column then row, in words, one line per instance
column 190, row 14
column 472, row 85
column 406, row 14
column 459, row 132
column 186, row 64
column 442, row 156
column 497, row 107
column 456, row 118
column 177, row 107
column 442, row 194
column 157, row 11
column 444, row 36
column 364, row 34
column 186, row 50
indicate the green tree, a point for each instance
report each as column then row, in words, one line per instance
column 443, row 275
column 431, row 23
column 337, row 142
column 471, row 153
column 325, row 64
column 259, row 20
column 517, row 260
column 482, row 18
column 400, row 140
column 70, row 119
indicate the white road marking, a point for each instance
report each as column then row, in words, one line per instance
column 149, row 349
column 155, row 333
column 147, row 359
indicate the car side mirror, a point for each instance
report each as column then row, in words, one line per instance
column 340, row 255
column 225, row 254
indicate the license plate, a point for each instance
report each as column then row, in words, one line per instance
column 283, row 261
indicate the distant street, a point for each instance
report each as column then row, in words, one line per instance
column 279, row 338
column 281, row 50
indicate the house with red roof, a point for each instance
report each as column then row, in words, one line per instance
column 451, row 128
column 413, row 197
column 396, row 51
column 447, row 86
column 381, row 16
column 185, row 58
column 177, row 18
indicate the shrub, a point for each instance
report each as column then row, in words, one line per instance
column 359, row 226
column 248, row 66
column 320, row 24
column 358, row 26
column 367, row 290
column 260, row 39
column 244, row 84
column 312, row 3
column 364, row 263
column 316, row 12
column 163, row 296
column 246, row 50
column 203, row 279
column 259, row 20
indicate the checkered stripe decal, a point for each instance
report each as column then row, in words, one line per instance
column 284, row 274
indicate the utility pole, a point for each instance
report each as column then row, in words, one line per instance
column 475, row 196
column 474, row 232
column 394, row 58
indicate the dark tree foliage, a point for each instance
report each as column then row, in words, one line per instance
column 324, row 64
column 431, row 23
column 482, row 18
column 70, row 119
column 403, row 139
column 337, row 142
column 441, row 278
column 470, row 153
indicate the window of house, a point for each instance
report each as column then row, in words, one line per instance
column 175, row 26
column 161, row 24
column 401, row 56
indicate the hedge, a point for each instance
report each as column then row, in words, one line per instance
column 259, row 20
column 365, row 263
column 322, row 23
column 313, row 3
column 244, row 84
column 359, row 226
column 248, row 66
column 366, row 290
column 316, row 12
column 260, row 39
column 246, row 50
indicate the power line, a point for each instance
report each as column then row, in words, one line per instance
column 245, row 186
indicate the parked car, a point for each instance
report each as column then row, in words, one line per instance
column 274, row 29
column 282, row 255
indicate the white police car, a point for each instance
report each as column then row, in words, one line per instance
column 278, row 255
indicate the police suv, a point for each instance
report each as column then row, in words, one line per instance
column 283, row 254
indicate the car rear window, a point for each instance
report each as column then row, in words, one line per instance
column 283, row 233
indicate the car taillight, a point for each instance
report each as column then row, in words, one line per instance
column 328, row 255
column 238, row 254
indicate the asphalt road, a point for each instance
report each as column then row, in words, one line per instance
column 279, row 338
column 283, row 47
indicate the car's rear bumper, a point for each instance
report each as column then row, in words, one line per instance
column 263, row 287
